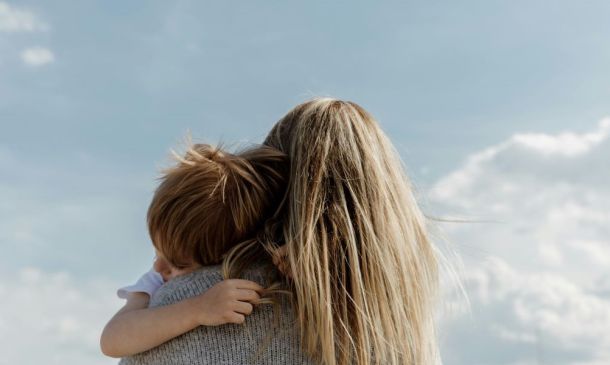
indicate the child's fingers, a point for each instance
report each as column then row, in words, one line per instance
column 243, row 308
column 246, row 284
column 248, row 295
column 236, row 318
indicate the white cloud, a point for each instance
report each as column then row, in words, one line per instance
column 561, row 310
column 37, row 56
column 13, row 19
column 54, row 218
column 538, row 275
column 567, row 143
column 53, row 318
column 526, row 159
column 16, row 20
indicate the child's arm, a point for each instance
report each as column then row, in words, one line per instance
column 136, row 328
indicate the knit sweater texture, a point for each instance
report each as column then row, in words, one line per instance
column 262, row 339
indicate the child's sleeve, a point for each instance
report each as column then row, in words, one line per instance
column 148, row 283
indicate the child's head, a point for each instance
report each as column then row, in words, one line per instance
column 212, row 200
column 167, row 270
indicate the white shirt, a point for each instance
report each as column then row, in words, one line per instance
column 148, row 283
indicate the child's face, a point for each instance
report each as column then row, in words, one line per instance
column 167, row 270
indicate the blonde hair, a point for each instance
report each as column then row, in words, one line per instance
column 211, row 200
column 363, row 271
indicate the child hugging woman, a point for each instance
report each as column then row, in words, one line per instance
column 338, row 216
column 207, row 203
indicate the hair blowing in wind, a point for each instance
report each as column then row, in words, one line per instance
column 364, row 273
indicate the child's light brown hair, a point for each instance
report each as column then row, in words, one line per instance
column 212, row 200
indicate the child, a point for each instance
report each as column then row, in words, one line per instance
column 205, row 205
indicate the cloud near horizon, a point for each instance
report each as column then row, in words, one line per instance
column 53, row 317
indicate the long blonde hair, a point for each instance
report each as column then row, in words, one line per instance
column 364, row 273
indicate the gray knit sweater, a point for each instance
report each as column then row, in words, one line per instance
column 258, row 341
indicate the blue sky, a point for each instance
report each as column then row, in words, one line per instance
column 93, row 94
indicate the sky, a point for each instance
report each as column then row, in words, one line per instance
column 500, row 111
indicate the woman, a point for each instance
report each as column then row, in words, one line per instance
column 363, row 272
column 360, row 269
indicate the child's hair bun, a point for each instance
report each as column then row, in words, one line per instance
column 200, row 153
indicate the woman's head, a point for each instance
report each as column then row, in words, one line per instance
column 211, row 200
column 364, row 272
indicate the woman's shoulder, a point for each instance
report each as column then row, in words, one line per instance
column 200, row 280
column 187, row 285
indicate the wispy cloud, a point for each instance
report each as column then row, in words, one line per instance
column 13, row 19
column 538, row 279
column 20, row 20
column 37, row 56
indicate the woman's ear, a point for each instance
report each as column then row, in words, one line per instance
column 280, row 260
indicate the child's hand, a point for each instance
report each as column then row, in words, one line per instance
column 229, row 301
